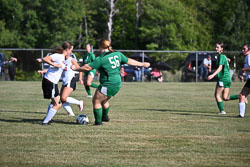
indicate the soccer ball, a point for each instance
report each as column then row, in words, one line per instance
column 82, row 119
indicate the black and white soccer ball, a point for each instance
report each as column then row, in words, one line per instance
column 82, row 119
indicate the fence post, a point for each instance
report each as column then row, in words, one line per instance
column 142, row 73
column 196, row 68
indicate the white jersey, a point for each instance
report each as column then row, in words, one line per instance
column 54, row 74
column 247, row 65
column 68, row 73
column 207, row 62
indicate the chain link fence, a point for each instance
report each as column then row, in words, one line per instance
column 166, row 66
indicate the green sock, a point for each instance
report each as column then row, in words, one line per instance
column 87, row 88
column 93, row 85
column 105, row 112
column 234, row 97
column 98, row 115
column 220, row 106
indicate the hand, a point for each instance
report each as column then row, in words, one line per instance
column 210, row 77
column 73, row 67
column 39, row 60
column 146, row 64
column 81, row 81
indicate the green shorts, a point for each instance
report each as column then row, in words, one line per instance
column 108, row 90
column 92, row 73
column 225, row 84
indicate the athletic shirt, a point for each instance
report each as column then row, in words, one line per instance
column 68, row 73
column 88, row 58
column 53, row 74
column 108, row 63
column 247, row 65
column 224, row 74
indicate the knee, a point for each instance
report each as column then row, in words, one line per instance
column 241, row 98
column 63, row 99
column 88, row 83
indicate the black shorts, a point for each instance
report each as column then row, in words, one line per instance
column 247, row 85
column 71, row 84
column 50, row 90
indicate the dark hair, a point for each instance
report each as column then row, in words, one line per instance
column 66, row 45
column 247, row 44
column 221, row 44
column 57, row 49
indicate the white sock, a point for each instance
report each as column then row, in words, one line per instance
column 72, row 100
column 67, row 107
column 50, row 114
column 49, row 106
column 242, row 108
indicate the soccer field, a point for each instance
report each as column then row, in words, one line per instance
column 152, row 124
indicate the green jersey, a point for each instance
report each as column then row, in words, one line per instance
column 88, row 58
column 108, row 63
column 224, row 74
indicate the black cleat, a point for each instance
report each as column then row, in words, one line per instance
column 106, row 119
column 98, row 124
column 45, row 124
column 239, row 116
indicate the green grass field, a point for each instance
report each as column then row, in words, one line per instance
column 152, row 124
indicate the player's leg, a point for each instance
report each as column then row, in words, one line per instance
column 52, row 111
column 87, row 88
column 242, row 100
column 65, row 93
column 98, row 99
column 90, row 79
column 217, row 94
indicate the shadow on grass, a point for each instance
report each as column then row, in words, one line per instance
column 27, row 112
column 191, row 113
column 35, row 121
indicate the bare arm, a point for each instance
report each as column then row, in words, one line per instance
column 80, row 73
column 84, row 68
column 133, row 62
column 215, row 73
column 48, row 60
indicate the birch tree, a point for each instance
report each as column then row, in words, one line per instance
column 111, row 13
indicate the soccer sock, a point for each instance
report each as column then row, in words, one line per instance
column 234, row 97
column 98, row 115
column 72, row 100
column 49, row 106
column 105, row 112
column 50, row 114
column 93, row 85
column 67, row 107
column 87, row 88
column 220, row 106
column 242, row 108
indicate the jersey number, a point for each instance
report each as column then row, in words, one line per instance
column 114, row 61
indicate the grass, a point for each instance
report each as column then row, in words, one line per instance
column 152, row 124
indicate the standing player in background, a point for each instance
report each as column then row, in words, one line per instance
column 108, row 63
column 88, row 57
column 246, row 89
column 52, row 77
column 224, row 79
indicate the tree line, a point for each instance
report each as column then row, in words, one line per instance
column 130, row 24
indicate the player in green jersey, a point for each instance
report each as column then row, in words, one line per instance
column 224, row 79
column 108, row 63
column 88, row 57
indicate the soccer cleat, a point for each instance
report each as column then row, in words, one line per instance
column 222, row 112
column 45, row 124
column 80, row 105
column 239, row 116
column 98, row 124
column 89, row 96
column 106, row 119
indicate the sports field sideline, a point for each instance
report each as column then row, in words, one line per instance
column 152, row 124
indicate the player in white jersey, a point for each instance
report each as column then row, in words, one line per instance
column 52, row 77
column 69, row 85
column 246, row 89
